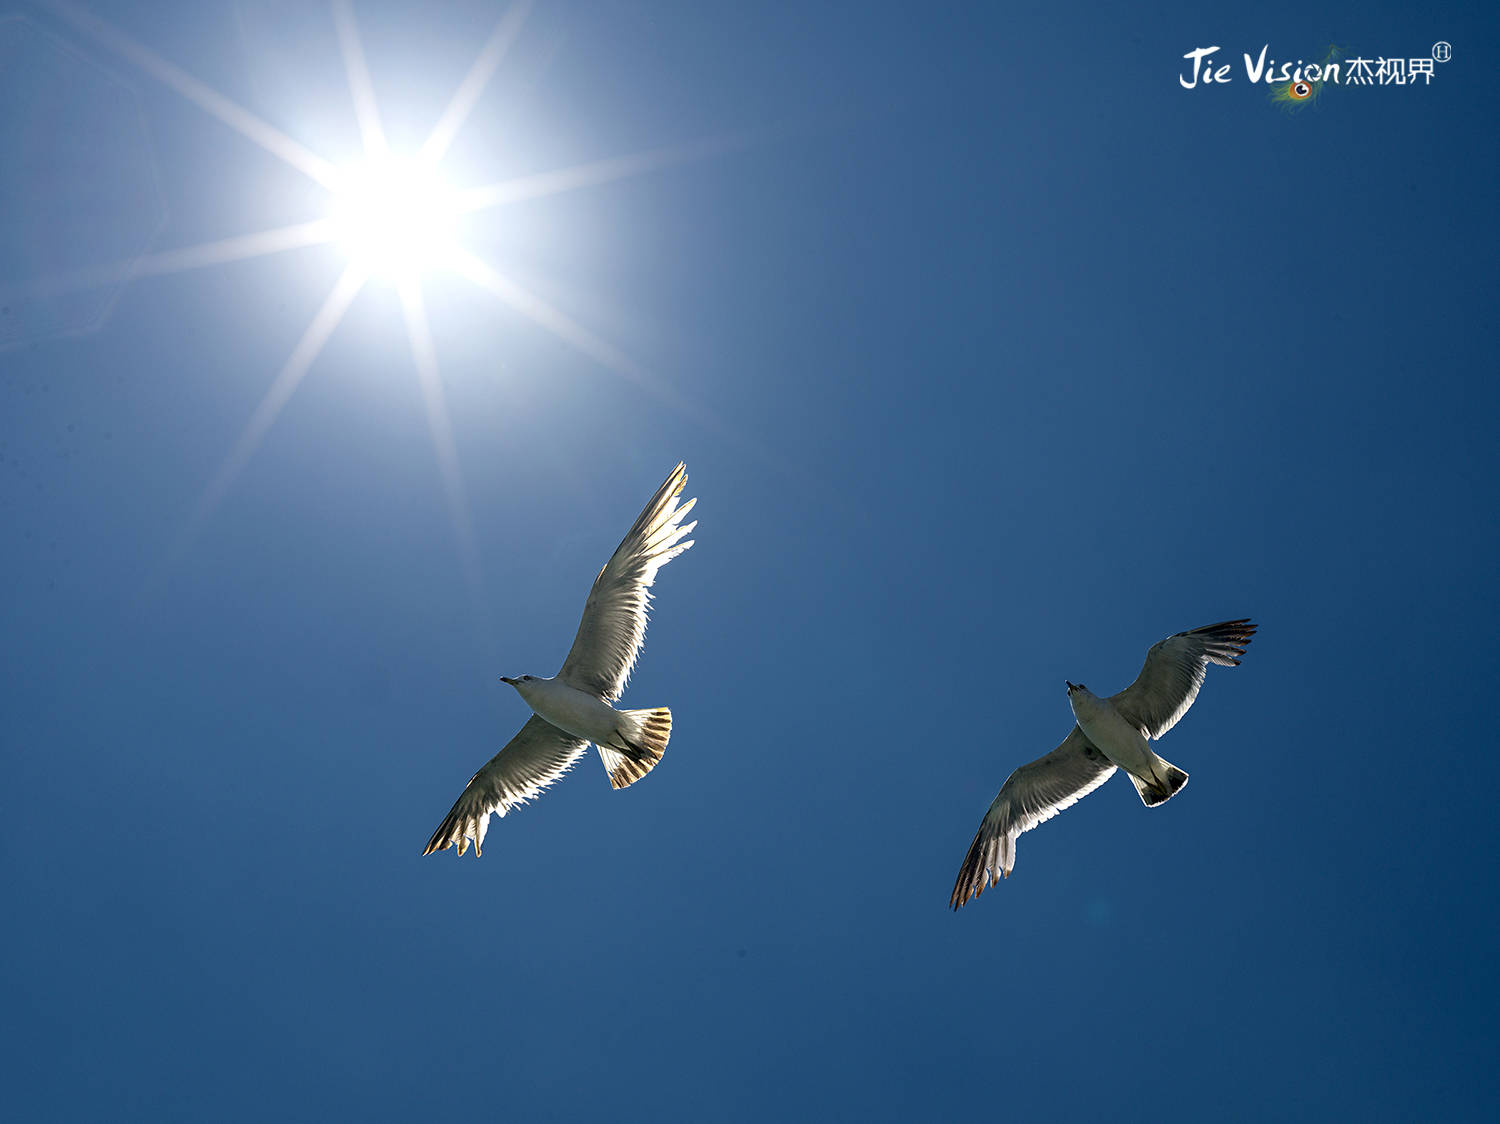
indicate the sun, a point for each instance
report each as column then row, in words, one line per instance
column 394, row 217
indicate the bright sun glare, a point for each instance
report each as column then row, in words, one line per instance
column 394, row 217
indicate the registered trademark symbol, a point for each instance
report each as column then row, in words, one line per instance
column 1442, row 51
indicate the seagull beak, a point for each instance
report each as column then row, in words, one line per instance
column 505, row 679
column 1070, row 685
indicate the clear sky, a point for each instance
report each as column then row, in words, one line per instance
column 995, row 355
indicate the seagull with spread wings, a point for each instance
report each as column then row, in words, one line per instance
column 573, row 708
column 1110, row 733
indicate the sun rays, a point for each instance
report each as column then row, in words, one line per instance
column 394, row 214
column 212, row 102
column 395, row 219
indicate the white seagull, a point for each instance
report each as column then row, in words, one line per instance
column 573, row 708
column 1109, row 733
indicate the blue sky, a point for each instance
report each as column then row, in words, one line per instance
column 994, row 355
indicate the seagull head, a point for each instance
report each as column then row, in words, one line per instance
column 516, row 682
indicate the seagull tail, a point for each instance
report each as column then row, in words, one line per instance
column 1166, row 782
column 642, row 737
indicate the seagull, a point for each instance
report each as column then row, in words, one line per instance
column 572, row 708
column 1109, row 733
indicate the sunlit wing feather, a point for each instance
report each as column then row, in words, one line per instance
column 614, row 617
column 1174, row 671
column 529, row 763
column 1032, row 795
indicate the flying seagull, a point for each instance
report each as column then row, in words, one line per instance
column 1109, row 733
column 573, row 708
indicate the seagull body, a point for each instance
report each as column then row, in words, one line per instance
column 1156, row 779
column 572, row 708
column 585, row 716
column 1109, row 733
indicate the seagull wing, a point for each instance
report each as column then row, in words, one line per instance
column 614, row 617
column 530, row 761
column 1033, row 794
column 1174, row 671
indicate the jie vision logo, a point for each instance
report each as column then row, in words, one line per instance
column 1300, row 82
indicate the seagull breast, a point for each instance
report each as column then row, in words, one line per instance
column 1107, row 729
column 577, row 712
